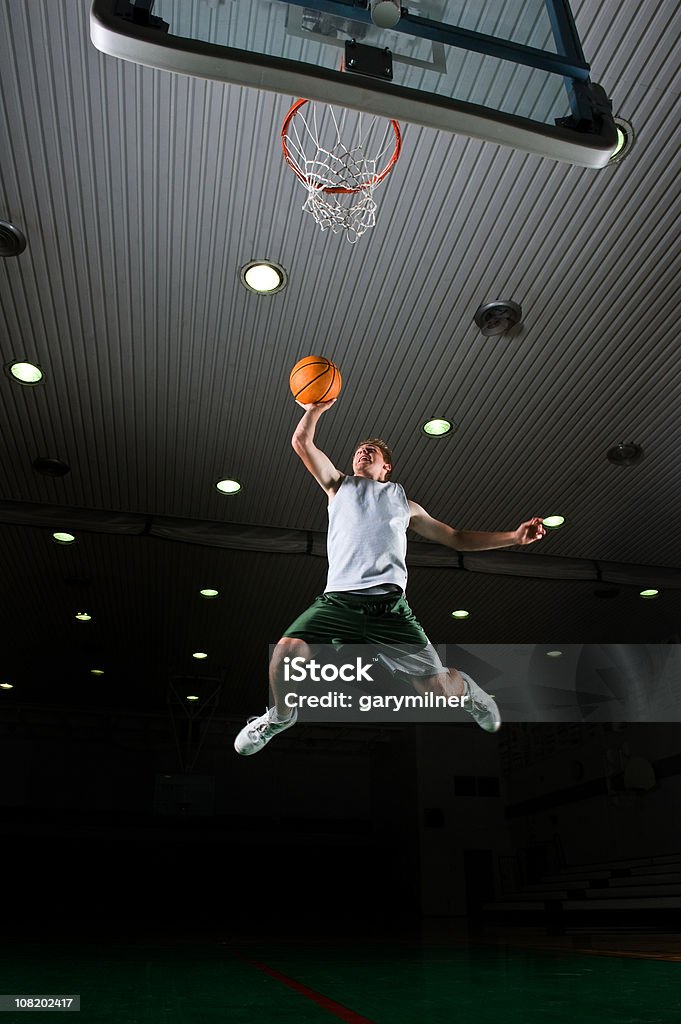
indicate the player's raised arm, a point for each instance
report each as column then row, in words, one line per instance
column 314, row 460
column 472, row 540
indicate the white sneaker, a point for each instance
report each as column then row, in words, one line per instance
column 480, row 706
column 259, row 731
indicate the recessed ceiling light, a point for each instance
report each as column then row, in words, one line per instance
column 12, row 240
column 648, row 593
column 437, row 428
column 192, row 696
column 209, row 593
column 625, row 140
column 460, row 613
column 625, row 454
column 25, row 373
column 554, row 654
column 63, row 538
column 228, row 486
column 495, row 318
column 83, row 616
column 97, row 671
column 553, row 522
column 263, row 277
column 51, row 467
column 199, row 655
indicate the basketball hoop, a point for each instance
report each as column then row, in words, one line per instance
column 339, row 176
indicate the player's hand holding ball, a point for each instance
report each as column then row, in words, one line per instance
column 322, row 406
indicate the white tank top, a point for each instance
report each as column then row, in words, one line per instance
column 367, row 538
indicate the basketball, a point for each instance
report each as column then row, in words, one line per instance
column 315, row 379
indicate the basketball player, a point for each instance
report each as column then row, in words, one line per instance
column 364, row 597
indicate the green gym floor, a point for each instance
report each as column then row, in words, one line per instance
column 510, row 979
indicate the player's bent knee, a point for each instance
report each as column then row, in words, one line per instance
column 291, row 647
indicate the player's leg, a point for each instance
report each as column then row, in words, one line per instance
column 324, row 622
column 259, row 730
column 289, row 647
column 415, row 659
column 448, row 683
column 452, row 682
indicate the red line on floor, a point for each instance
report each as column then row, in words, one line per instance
column 330, row 1005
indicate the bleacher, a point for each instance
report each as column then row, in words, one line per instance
column 643, row 890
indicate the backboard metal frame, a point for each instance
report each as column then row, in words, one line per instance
column 588, row 137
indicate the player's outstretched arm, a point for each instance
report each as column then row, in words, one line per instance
column 472, row 540
column 314, row 460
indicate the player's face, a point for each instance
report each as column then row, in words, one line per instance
column 369, row 461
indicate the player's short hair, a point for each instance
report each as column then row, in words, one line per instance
column 384, row 448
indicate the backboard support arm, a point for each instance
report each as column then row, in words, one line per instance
column 567, row 41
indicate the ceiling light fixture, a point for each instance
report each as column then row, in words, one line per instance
column 648, row 594
column 6, row 686
column 199, row 655
column 83, row 616
column 208, row 592
column 228, row 486
column 553, row 522
column 495, row 318
column 437, row 428
column 625, row 454
column 554, row 654
column 625, row 140
column 263, row 277
column 460, row 613
column 63, row 538
column 12, row 241
column 25, row 373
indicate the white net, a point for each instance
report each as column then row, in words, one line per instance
column 340, row 156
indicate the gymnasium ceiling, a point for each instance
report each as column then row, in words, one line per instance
column 141, row 194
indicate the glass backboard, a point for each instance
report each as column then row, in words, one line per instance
column 511, row 73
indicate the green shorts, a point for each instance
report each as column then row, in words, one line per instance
column 383, row 620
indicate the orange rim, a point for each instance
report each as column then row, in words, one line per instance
column 336, row 189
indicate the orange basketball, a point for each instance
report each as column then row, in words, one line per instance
column 315, row 379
